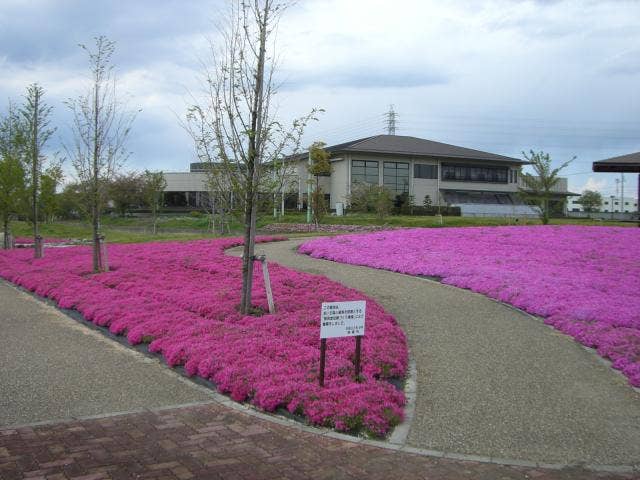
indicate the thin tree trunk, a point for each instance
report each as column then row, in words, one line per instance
column 247, row 261
column 253, row 151
column 275, row 205
column 6, row 233
column 34, row 173
column 95, row 200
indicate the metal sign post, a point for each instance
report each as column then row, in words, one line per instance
column 357, row 359
column 323, row 353
column 341, row 319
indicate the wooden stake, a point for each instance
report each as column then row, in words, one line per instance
column 39, row 251
column 267, row 283
column 103, row 261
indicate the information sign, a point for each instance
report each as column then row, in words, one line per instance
column 342, row 319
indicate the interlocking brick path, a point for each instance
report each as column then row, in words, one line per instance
column 212, row 441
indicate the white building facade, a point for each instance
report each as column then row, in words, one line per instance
column 610, row 204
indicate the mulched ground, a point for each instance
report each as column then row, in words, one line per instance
column 211, row 442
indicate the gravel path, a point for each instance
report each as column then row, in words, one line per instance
column 55, row 368
column 493, row 381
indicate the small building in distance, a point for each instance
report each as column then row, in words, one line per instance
column 610, row 204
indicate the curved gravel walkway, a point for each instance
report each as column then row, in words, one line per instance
column 494, row 381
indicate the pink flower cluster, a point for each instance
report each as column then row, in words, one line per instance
column 585, row 281
column 182, row 298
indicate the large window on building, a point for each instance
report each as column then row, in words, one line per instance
column 364, row 171
column 425, row 171
column 396, row 177
column 469, row 173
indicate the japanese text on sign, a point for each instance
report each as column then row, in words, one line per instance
column 342, row 319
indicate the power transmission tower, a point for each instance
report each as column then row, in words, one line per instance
column 391, row 116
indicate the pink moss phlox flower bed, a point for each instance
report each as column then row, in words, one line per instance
column 182, row 298
column 585, row 281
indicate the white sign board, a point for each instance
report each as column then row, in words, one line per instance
column 342, row 319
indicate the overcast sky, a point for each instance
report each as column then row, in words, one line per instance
column 500, row 76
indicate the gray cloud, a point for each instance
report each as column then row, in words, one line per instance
column 624, row 63
column 370, row 77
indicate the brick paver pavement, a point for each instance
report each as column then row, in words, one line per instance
column 212, row 441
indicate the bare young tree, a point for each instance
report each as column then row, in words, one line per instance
column 221, row 188
column 234, row 125
column 283, row 179
column 101, row 126
column 153, row 185
column 35, row 114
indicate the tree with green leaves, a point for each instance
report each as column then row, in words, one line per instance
column 367, row 197
column 100, row 127
column 591, row 201
column 125, row 191
column 382, row 200
column 320, row 166
column 234, row 125
column 72, row 202
column 13, row 192
column 36, row 115
column 153, row 185
column 538, row 189
column 49, row 198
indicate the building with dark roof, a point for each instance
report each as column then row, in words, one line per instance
column 480, row 183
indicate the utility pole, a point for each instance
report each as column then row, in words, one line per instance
column 622, row 192
column 391, row 116
column 617, row 188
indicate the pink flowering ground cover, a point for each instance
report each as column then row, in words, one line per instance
column 182, row 298
column 585, row 281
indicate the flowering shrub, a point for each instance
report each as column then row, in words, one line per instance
column 583, row 280
column 326, row 228
column 182, row 299
column 50, row 241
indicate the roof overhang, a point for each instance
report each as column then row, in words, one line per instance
column 615, row 167
column 624, row 163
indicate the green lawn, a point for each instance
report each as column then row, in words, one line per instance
column 113, row 234
column 428, row 221
column 138, row 229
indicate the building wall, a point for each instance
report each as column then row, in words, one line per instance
column 630, row 205
column 339, row 181
column 418, row 187
column 421, row 187
column 185, row 181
